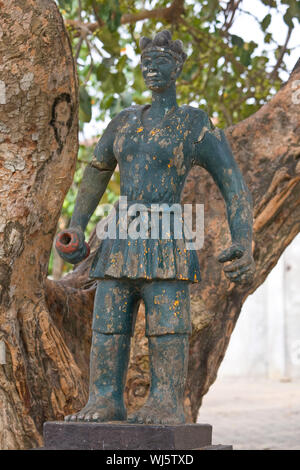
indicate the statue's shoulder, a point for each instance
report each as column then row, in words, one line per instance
column 195, row 116
column 130, row 111
column 122, row 118
column 197, row 121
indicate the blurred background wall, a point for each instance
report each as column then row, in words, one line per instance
column 266, row 340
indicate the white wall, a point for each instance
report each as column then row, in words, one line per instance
column 266, row 340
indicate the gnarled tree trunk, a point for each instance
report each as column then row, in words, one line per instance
column 38, row 147
column 46, row 325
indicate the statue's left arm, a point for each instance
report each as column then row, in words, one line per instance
column 212, row 151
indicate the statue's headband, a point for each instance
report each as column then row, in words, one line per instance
column 166, row 50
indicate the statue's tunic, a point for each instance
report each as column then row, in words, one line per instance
column 153, row 167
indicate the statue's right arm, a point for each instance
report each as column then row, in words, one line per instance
column 70, row 243
column 95, row 180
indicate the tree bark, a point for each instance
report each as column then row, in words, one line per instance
column 38, row 149
column 46, row 324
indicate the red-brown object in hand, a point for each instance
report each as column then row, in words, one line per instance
column 68, row 242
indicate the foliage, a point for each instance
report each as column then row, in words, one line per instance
column 222, row 71
column 224, row 74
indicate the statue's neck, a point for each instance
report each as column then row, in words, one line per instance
column 163, row 102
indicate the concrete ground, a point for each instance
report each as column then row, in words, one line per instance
column 253, row 414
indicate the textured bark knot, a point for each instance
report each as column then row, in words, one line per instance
column 13, row 239
column 62, row 118
column 26, row 81
column 2, row 92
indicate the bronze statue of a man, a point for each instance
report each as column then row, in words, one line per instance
column 155, row 147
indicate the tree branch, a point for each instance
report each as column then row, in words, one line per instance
column 170, row 14
column 231, row 10
column 274, row 72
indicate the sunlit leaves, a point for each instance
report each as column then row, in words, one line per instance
column 202, row 28
column 293, row 11
column 110, row 40
column 209, row 9
column 266, row 22
column 109, row 11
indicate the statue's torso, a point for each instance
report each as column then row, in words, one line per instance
column 154, row 163
column 153, row 167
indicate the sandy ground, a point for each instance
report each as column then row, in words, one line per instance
column 253, row 414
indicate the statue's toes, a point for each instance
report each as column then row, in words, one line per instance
column 88, row 416
column 148, row 420
column 80, row 416
column 138, row 418
column 95, row 417
column 72, row 418
column 132, row 419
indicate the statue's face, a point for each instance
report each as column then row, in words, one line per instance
column 159, row 70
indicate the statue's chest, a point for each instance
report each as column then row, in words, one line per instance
column 162, row 143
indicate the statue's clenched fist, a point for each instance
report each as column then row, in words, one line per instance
column 242, row 268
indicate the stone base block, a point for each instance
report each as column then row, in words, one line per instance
column 125, row 436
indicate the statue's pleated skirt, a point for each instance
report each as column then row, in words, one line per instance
column 149, row 259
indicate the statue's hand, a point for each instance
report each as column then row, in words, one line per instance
column 242, row 268
column 71, row 246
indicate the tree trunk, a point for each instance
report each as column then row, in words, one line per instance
column 38, row 149
column 46, row 325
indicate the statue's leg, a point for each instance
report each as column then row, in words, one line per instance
column 167, row 327
column 115, row 307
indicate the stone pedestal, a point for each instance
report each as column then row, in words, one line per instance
column 124, row 436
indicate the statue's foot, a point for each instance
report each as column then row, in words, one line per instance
column 153, row 412
column 101, row 410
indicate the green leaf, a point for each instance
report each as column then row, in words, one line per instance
column 246, row 58
column 107, row 101
column 102, row 72
column 109, row 11
column 85, row 105
column 295, row 10
column 121, row 63
column 107, row 85
column 110, row 41
column 237, row 41
column 118, row 81
column 266, row 22
column 268, row 38
column 292, row 12
column 288, row 18
column 138, row 84
column 114, row 20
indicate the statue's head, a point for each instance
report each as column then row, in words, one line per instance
column 161, row 60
